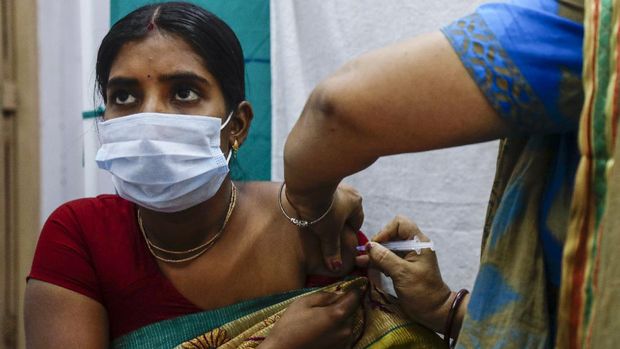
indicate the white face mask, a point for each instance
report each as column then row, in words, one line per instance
column 164, row 162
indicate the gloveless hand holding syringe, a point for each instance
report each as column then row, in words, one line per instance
column 400, row 246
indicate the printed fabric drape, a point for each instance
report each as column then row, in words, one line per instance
column 590, row 292
column 379, row 324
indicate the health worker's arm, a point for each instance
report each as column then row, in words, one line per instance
column 409, row 97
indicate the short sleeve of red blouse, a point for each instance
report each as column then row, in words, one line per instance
column 93, row 246
column 62, row 257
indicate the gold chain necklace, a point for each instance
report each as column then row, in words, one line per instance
column 202, row 248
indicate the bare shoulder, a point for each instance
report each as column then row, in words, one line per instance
column 262, row 196
column 264, row 216
column 261, row 188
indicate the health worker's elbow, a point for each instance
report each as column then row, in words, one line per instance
column 322, row 101
column 332, row 109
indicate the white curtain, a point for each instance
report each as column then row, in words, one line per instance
column 69, row 34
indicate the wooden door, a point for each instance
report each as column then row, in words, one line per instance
column 8, row 292
column 19, row 161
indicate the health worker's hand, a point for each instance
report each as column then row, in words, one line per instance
column 321, row 320
column 346, row 211
column 421, row 291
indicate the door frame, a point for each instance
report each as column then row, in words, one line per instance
column 20, row 161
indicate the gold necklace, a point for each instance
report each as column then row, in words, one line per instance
column 202, row 248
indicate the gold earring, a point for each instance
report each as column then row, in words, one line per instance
column 235, row 147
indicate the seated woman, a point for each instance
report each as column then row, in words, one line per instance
column 176, row 253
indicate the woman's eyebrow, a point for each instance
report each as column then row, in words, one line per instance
column 183, row 76
column 121, row 81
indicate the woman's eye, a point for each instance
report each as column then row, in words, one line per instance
column 123, row 97
column 186, row 95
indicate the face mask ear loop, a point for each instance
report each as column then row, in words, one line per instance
column 227, row 120
column 98, row 120
column 229, row 156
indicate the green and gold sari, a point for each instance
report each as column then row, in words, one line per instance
column 379, row 323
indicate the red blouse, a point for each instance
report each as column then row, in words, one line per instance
column 93, row 247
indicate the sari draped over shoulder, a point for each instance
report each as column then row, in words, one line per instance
column 591, row 272
column 548, row 271
column 526, row 58
column 378, row 324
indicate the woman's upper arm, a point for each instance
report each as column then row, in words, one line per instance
column 56, row 317
column 63, row 296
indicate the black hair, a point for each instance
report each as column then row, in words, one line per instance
column 207, row 34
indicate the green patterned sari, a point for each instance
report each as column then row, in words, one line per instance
column 378, row 324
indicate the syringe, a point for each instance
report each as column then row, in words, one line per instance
column 405, row 245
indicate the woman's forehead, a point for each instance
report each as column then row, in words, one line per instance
column 157, row 54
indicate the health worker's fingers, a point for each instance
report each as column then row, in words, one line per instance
column 395, row 230
column 330, row 247
column 362, row 261
column 385, row 260
column 355, row 216
column 346, row 210
column 400, row 228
